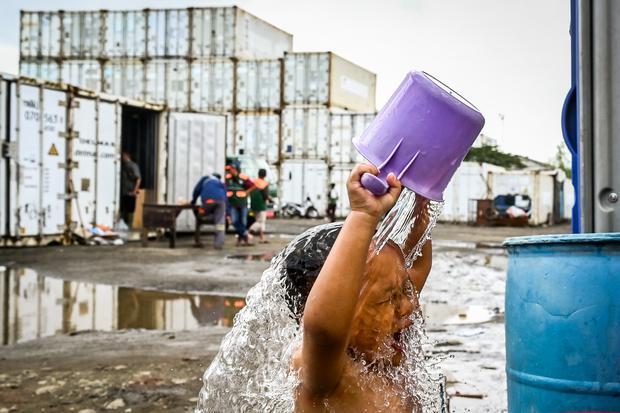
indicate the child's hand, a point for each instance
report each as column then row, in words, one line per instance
column 362, row 200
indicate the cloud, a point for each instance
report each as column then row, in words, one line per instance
column 9, row 63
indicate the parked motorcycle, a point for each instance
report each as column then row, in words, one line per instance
column 305, row 210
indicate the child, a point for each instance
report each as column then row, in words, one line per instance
column 356, row 312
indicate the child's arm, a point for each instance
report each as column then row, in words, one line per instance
column 332, row 301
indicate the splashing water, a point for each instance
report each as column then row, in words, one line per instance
column 252, row 371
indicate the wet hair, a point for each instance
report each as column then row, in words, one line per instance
column 262, row 173
column 302, row 262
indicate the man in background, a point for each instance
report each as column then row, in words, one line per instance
column 130, row 187
column 212, row 194
column 238, row 186
column 258, row 204
column 332, row 202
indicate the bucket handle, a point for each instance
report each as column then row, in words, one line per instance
column 451, row 90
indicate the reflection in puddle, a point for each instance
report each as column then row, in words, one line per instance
column 33, row 306
column 267, row 256
column 446, row 314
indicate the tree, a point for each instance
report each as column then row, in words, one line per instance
column 561, row 160
column 490, row 154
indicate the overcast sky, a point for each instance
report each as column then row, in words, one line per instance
column 508, row 57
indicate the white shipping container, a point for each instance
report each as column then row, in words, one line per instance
column 232, row 32
column 36, row 176
column 329, row 80
column 257, row 39
column 107, row 188
column 257, row 135
column 300, row 179
column 4, row 91
column 338, row 175
column 83, row 73
column 82, row 34
column 212, row 85
column 258, row 84
column 469, row 182
column 125, row 33
column 40, row 69
column 39, row 34
column 344, row 128
column 167, row 81
column 305, row 133
column 167, row 33
column 196, row 146
column 124, row 77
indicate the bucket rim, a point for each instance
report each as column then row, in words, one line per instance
column 599, row 238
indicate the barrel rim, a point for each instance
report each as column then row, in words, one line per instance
column 598, row 238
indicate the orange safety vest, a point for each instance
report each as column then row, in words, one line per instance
column 260, row 183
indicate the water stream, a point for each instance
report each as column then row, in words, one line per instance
column 252, row 371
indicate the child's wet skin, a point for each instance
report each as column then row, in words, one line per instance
column 356, row 312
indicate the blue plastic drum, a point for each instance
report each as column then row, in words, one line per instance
column 563, row 323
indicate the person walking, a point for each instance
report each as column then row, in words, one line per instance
column 258, row 204
column 130, row 187
column 332, row 202
column 238, row 186
column 212, row 193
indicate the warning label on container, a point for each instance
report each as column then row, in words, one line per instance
column 53, row 151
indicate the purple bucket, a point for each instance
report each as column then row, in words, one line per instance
column 421, row 135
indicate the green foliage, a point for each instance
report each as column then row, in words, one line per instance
column 561, row 160
column 490, row 154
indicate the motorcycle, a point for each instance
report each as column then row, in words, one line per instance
column 305, row 210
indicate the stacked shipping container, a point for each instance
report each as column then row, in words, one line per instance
column 322, row 97
column 298, row 111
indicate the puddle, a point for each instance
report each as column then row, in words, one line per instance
column 446, row 314
column 33, row 306
column 267, row 256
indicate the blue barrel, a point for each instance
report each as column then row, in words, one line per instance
column 563, row 323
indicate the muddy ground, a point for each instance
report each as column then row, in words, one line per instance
column 146, row 370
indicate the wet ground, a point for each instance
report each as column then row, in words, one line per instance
column 132, row 329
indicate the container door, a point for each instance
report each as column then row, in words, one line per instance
column 108, row 170
column 4, row 206
column 84, row 153
column 25, row 170
column 315, row 184
column 196, row 147
column 53, row 178
column 291, row 178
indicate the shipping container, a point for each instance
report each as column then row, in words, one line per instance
column 125, row 33
column 329, row 80
column 258, row 85
column 212, row 85
column 304, row 133
column 344, row 128
column 48, row 70
column 338, row 175
column 167, row 82
column 470, row 182
column 83, row 73
column 257, row 135
column 124, row 77
column 196, row 147
column 300, row 179
column 167, row 33
column 233, row 32
column 54, row 128
column 40, row 34
column 156, row 33
column 4, row 149
column 36, row 174
column 82, row 35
